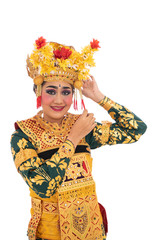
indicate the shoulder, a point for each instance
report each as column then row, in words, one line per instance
column 18, row 135
column 29, row 127
column 30, row 122
column 20, row 129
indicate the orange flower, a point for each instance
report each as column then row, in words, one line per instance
column 40, row 42
column 94, row 44
column 64, row 53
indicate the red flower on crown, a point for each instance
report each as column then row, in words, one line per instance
column 64, row 53
column 95, row 44
column 40, row 42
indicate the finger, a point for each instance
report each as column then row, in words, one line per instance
column 90, row 115
column 93, row 126
column 93, row 79
column 93, row 120
column 85, row 112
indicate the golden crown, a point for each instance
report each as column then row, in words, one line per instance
column 53, row 61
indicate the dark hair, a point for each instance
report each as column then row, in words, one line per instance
column 35, row 87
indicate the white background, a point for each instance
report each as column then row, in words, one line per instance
column 127, row 70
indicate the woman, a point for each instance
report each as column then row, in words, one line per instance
column 52, row 150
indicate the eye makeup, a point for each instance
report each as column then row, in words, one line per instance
column 53, row 92
column 66, row 92
column 50, row 91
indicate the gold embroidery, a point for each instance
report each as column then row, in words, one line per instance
column 81, row 189
column 74, row 171
column 32, row 162
column 38, row 179
column 39, row 208
column 35, row 219
column 79, row 212
column 50, row 207
column 49, row 138
column 101, row 132
column 22, row 143
column 23, row 155
column 106, row 103
column 80, row 218
column 105, row 131
column 78, row 169
column 51, row 187
column 46, row 135
column 67, row 149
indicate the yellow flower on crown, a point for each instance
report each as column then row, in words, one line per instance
column 51, row 61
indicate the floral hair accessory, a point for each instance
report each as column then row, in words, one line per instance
column 50, row 61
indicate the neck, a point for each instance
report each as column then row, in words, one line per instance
column 51, row 120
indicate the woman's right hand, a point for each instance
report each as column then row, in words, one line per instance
column 83, row 125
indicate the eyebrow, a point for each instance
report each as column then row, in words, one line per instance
column 57, row 87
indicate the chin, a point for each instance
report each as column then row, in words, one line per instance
column 55, row 115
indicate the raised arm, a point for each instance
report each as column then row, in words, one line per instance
column 127, row 127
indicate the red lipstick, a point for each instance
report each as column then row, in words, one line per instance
column 58, row 109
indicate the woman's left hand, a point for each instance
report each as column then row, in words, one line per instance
column 91, row 90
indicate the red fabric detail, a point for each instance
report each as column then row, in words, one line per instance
column 84, row 166
column 38, row 101
column 82, row 104
column 104, row 216
column 16, row 126
column 75, row 105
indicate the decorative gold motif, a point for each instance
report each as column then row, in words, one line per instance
column 23, row 155
column 106, row 103
column 46, row 135
column 78, row 202
column 33, row 224
column 33, row 162
column 101, row 132
column 50, row 207
column 77, row 170
column 38, row 207
column 80, row 218
column 105, row 131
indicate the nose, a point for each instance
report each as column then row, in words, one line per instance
column 58, row 98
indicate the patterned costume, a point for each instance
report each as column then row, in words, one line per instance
column 64, row 201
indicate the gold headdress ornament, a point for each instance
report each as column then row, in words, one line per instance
column 52, row 61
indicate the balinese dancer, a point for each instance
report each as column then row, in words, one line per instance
column 52, row 150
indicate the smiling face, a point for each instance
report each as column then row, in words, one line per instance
column 56, row 100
